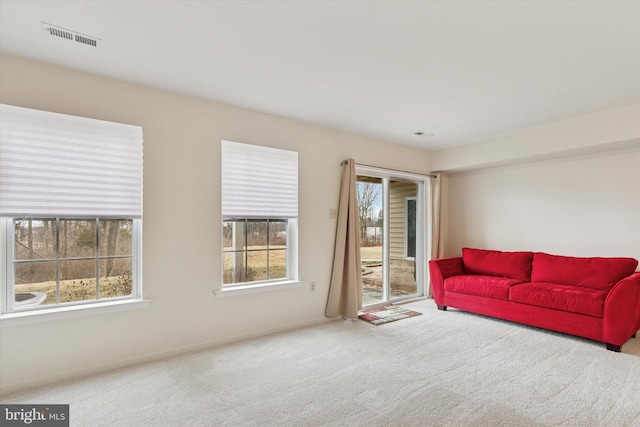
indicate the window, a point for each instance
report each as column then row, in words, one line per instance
column 254, row 250
column 57, row 260
column 410, row 228
column 259, row 214
column 71, row 209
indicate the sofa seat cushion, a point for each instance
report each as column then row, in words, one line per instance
column 514, row 265
column 484, row 286
column 595, row 273
column 569, row 298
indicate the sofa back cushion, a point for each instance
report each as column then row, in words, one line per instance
column 514, row 265
column 594, row 273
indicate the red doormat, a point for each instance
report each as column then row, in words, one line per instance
column 380, row 315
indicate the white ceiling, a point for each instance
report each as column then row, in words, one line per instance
column 461, row 70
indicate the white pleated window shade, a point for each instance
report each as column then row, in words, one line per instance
column 258, row 182
column 66, row 166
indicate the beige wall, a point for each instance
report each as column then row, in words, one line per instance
column 587, row 205
column 182, row 224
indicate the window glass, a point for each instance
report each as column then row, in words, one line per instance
column 254, row 250
column 58, row 261
column 115, row 237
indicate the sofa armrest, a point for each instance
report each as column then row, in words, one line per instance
column 440, row 269
column 622, row 310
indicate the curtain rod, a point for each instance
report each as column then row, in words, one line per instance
column 392, row 170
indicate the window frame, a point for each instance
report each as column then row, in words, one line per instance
column 8, row 307
column 423, row 231
column 291, row 254
column 258, row 287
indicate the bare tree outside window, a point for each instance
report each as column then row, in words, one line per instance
column 368, row 199
column 72, row 260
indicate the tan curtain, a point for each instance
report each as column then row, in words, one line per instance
column 436, row 223
column 345, row 291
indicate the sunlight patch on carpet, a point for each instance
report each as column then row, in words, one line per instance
column 381, row 315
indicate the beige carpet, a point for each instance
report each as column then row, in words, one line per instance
column 439, row 369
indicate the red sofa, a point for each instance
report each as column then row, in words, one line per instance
column 595, row 298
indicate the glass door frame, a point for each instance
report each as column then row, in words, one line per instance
column 423, row 229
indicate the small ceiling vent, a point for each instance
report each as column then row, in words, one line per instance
column 70, row 35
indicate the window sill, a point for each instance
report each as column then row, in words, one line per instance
column 260, row 287
column 58, row 313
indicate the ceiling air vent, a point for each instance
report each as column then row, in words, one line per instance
column 70, row 35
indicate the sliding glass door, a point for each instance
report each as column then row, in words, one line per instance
column 391, row 207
